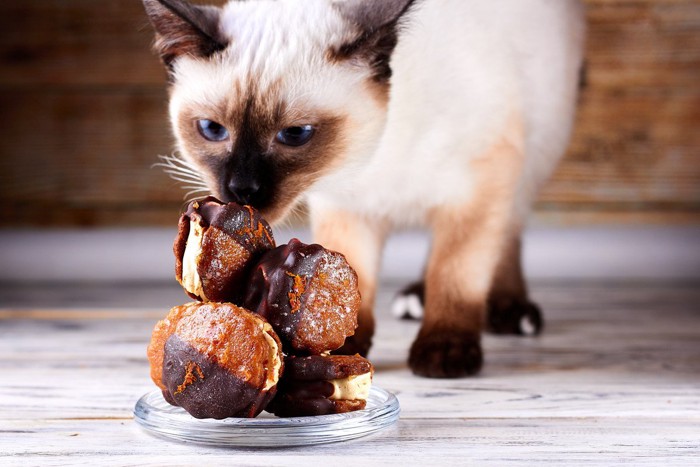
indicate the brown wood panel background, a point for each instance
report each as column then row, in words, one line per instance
column 83, row 102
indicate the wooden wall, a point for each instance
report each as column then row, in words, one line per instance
column 83, row 102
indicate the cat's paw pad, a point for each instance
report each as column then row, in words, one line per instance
column 519, row 317
column 408, row 304
column 446, row 354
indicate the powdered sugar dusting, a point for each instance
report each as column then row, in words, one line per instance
column 332, row 302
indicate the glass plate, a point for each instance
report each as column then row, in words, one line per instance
column 162, row 419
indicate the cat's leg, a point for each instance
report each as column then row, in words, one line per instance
column 468, row 240
column 510, row 310
column 361, row 241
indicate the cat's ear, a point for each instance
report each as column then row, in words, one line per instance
column 184, row 29
column 377, row 23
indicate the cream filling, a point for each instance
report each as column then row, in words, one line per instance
column 352, row 388
column 273, row 374
column 193, row 248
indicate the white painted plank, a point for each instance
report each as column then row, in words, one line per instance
column 576, row 441
column 615, row 378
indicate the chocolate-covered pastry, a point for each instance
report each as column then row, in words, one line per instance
column 215, row 246
column 308, row 294
column 322, row 385
column 216, row 360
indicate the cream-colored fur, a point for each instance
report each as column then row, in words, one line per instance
column 278, row 53
column 461, row 69
column 477, row 112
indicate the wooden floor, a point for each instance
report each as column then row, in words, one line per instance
column 614, row 380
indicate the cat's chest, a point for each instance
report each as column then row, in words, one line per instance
column 403, row 190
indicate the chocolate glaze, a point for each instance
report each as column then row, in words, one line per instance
column 288, row 406
column 243, row 223
column 319, row 367
column 276, row 275
column 226, row 227
column 305, row 387
column 183, row 232
column 208, row 391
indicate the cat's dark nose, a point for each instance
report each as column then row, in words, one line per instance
column 243, row 190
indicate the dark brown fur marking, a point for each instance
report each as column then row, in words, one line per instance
column 378, row 24
column 283, row 172
column 508, row 301
column 182, row 28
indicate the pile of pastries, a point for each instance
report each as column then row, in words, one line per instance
column 266, row 318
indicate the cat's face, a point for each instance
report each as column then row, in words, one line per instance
column 269, row 97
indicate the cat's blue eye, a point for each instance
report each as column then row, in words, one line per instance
column 295, row 135
column 212, row 131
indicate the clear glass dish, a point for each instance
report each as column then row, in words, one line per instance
column 164, row 420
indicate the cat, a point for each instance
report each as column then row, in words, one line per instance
column 382, row 114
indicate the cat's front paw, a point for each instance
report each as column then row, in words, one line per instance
column 514, row 316
column 446, row 353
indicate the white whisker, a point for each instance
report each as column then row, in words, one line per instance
column 193, row 192
column 177, row 163
column 184, row 172
column 186, row 179
column 181, row 172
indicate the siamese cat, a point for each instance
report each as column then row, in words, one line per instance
column 382, row 114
